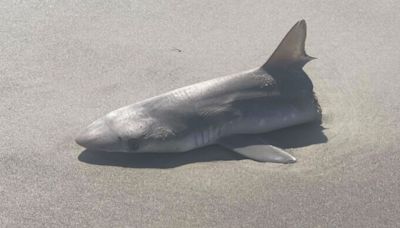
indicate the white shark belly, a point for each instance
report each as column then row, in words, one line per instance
column 258, row 123
column 267, row 121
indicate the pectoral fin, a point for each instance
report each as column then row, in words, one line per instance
column 256, row 148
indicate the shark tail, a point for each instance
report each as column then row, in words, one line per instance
column 290, row 53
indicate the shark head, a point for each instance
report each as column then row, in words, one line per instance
column 127, row 130
column 99, row 136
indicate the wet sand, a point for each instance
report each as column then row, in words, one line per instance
column 65, row 64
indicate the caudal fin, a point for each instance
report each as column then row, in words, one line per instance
column 290, row 53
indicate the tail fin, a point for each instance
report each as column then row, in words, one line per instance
column 290, row 53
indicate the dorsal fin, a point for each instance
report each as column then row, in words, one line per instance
column 290, row 53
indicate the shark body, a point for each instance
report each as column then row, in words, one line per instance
column 276, row 95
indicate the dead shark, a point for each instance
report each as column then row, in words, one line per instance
column 276, row 95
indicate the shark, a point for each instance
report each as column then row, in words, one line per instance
column 276, row 95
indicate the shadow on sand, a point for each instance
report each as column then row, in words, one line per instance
column 293, row 137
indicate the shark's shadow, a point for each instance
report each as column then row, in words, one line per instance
column 293, row 137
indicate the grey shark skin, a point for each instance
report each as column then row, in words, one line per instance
column 277, row 95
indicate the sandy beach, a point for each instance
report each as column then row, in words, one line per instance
column 64, row 64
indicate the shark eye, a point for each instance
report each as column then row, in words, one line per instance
column 133, row 144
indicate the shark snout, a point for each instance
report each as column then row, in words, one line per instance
column 98, row 136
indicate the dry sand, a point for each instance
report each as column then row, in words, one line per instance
column 64, row 64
